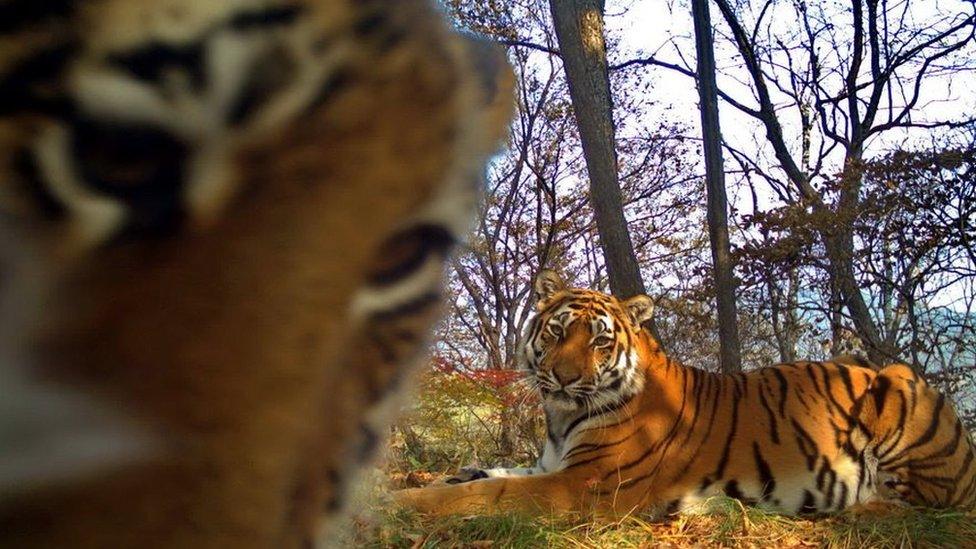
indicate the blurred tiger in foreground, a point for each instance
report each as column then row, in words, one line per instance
column 629, row 429
column 223, row 226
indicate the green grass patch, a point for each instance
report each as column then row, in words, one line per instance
column 901, row 528
column 728, row 524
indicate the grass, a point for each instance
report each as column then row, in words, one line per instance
column 903, row 528
column 730, row 525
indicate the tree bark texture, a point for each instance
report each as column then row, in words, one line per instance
column 730, row 357
column 579, row 31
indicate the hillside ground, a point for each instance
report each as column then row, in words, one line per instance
column 383, row 525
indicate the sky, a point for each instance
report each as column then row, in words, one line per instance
column 647, row 27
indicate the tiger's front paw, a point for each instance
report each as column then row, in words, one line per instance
column 410, row 498
column 894, row 487
column 436, row 500
column 466, row 474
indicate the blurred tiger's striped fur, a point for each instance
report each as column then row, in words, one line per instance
column 223, row 231
column 630, row 429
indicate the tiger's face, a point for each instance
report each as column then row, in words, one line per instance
column 581, row 346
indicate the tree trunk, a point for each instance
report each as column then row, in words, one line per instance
column 782, row 310
column 415, row 447
column 507, row 435
column 730, row 357
column 579, row 31
column 839, row 245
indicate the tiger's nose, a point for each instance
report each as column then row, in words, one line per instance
column 565, row 374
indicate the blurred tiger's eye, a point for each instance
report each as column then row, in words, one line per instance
column 140, row 166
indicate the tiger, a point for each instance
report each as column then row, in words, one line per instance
column 630, row 430
column 223, row 231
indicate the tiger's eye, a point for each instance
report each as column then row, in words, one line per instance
column 602, row 341
column 556, row 330
column 141, row 166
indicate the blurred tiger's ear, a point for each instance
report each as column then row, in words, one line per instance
column 547, row 284
column 640, row 308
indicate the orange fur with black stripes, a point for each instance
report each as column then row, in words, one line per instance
column 632, row 430
column 223, row 229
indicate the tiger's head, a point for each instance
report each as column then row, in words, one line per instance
column 174, row 174
column 583, row 347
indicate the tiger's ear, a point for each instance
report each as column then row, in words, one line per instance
column 640, row 308
column 547, row 284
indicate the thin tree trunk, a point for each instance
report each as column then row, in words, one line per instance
column 839, row 245
column 781, row 321
column 415, row 447
column 579, row 30
column 835, row 304
column 730, row 357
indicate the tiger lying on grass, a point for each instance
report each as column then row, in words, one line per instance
column 631, row 430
